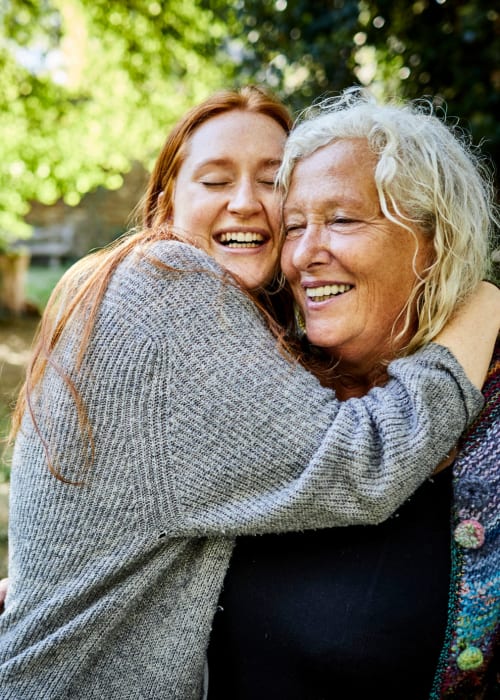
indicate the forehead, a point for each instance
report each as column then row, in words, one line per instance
column 237, row 135
column 346, row 165
column 346, row 156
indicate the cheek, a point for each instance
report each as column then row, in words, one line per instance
column 387, row 290
column 179, row 210
column 287, row 266
column 272, row 206
column 191, row 207
column 393, row 269
column 275, row 217
column 266, row 268
column 273, row 257
column 192, row 223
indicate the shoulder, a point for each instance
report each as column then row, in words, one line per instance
column 153, row 270
column 170, row 284
column 177, row 255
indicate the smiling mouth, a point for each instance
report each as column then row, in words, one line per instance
column 239, row 239
column 327, row 291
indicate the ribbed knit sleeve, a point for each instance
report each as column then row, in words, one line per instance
column 241, row 439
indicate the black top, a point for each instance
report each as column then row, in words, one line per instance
column 341, row 613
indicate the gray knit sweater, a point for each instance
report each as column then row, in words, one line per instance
column 202, row 431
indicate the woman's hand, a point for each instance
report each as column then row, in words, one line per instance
column 4, row 585
column 447, row 461
column 473, row 330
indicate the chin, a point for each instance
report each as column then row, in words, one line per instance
column 252, row 279
column 256, row 284
column 247, row 280
column 319, row 338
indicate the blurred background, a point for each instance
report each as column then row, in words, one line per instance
column 89, row 90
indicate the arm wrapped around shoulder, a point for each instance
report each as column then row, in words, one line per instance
column 247, row 441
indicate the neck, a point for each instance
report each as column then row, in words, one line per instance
column 349, row 382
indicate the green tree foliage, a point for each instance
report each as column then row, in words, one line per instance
column 450, row 51
column 87, row 87
column 444, row 49
column 300, row 48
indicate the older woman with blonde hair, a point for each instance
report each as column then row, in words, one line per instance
column 388, row 215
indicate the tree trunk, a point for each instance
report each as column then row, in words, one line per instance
column 13, row 268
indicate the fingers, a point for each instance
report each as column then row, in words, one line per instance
column 4, row 585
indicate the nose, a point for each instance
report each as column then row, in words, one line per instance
column 244, row 200
column 311, row 248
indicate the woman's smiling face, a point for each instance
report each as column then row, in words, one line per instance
column 224, row 199
column 351, row 269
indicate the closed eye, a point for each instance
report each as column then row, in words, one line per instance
column 343, row 220
column 294, row 230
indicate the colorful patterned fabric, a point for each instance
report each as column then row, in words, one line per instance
column 466, row 670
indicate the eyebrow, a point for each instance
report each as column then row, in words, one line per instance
column 272, row 162
column 223, row 162
column 349, row 201
column 293, row 213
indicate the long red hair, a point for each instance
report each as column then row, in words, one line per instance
column 85, row 284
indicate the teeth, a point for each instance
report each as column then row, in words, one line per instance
column 239, row 239
column 326, row 291
column 243, row 245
